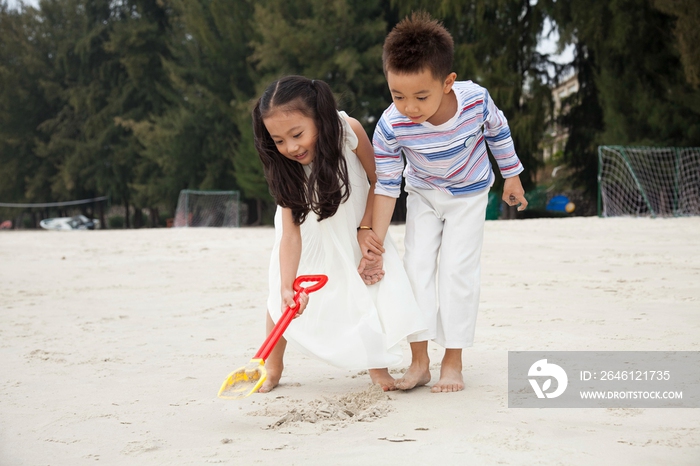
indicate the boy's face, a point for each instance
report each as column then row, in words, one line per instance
column 419, row 96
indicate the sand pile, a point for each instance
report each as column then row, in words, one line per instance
column 363, row 406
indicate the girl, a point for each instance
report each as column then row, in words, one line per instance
column 317, row 162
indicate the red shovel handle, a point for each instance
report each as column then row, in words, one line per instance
column 289, row 313
column 319, row 280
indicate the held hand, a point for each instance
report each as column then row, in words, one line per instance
column 370, row 244
column 513, row 193
column 288, row 301
column 372, row 270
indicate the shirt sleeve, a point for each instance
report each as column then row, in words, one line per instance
column 388, row 159
column 497, row 135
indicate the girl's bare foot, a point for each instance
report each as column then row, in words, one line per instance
column 274, row 374
column 383, row 378
column 274, row 365
column 451, row 379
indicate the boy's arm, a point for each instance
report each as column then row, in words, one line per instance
column 390, row 165
column 388, row 161
column 388, row 158
column 499, row 140
column 383, row 210
column 290, row 254
column 371, row 267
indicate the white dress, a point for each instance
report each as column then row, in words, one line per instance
column 347, row 324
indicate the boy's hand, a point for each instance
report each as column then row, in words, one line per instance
column 370, row 244
column 372, row 270
column 513, row 193
column 288, row 301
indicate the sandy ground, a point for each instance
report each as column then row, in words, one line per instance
column 114, row 343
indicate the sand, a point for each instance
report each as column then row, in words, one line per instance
column 114, row 344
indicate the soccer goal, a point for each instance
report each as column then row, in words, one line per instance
column 648, row 181
column 208, row 209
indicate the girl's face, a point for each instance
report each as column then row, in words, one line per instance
column 294, row 134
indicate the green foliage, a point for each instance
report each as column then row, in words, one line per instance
column 248, row 169
column 115, row 221
column 192, row 143
column 138, row 99
column 633, row 87
column 98, row 61
column 687, row 14
column 338, row 41
column 27, row 98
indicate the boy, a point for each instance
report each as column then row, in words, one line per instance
column 441, row 126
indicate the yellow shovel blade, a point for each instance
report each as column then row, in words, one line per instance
column 244, row 381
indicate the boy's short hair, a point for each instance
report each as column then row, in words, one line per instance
column 417, row 43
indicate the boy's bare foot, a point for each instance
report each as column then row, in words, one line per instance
column 417, row 374
column 382, row 377
column 451, row 379
column 274, row 374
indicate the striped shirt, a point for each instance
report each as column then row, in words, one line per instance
column 451, row 157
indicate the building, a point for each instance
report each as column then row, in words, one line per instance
column 556, row 136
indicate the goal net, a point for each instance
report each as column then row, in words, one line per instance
column 207, row 209
column 30, row 215
column 648, row 181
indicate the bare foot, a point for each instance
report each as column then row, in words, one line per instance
column 274, row 365
column 382, row 377
column 274, row 374
column 451, row 379
column 418, row 374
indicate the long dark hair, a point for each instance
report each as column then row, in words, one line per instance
column 327, row 185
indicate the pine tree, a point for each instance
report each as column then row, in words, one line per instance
column 140, row 41
column 196, row 142
column 687, row 14
column 339, row 42
column 248, row 169
column 29, row 95
column 102, row 65
column 635, row 92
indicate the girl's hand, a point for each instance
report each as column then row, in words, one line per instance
column 288, row 301
column 370, row 244
column 371, row 271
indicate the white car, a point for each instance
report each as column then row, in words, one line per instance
column 78, row 222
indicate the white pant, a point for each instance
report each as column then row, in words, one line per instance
column 444, row 234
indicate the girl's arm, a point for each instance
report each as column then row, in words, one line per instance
column 290, row 254
column 369, row 241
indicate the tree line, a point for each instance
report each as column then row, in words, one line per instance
column 138, row 99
